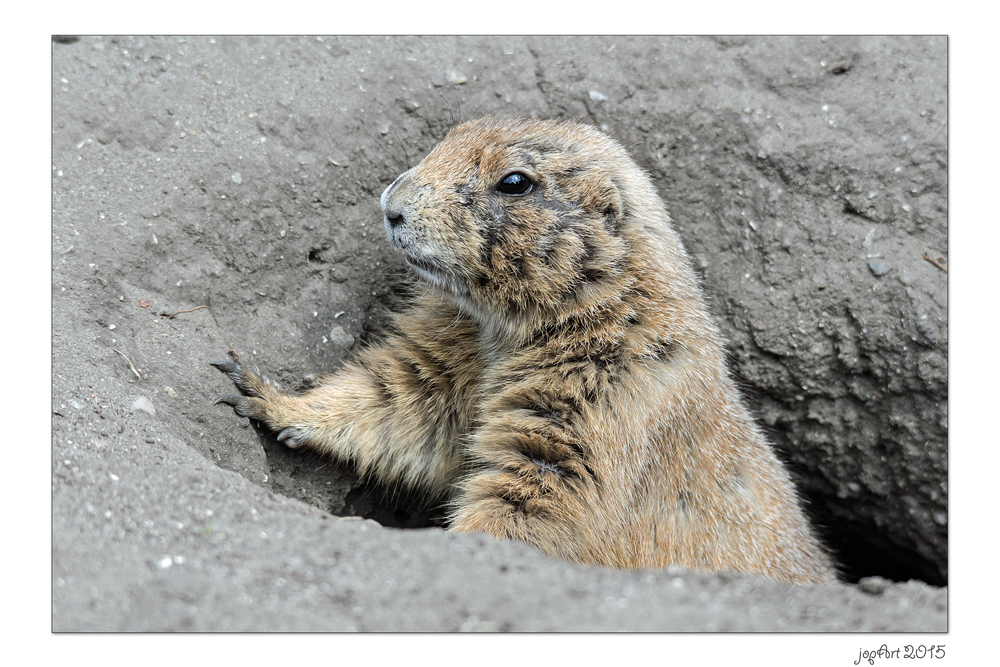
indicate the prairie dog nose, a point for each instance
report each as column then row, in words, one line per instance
column 393, row 200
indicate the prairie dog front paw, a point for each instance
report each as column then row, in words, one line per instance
column 257, row 394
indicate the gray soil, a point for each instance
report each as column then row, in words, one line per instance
column 808, row 177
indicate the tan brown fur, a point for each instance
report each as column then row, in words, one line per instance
column 560, row 379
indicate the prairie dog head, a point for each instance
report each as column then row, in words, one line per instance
column 519, row 217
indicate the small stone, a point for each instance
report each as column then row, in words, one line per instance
column 879, row 269
column 927, row 330
column 144, row 404
column 873, row 585
column 340, row 337
column 597, row 96
column 170, row 392
column 237, row 178
column 455, row 77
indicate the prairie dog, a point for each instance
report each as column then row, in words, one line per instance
column 560, row 379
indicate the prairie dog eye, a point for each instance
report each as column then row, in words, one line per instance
column 515, row 184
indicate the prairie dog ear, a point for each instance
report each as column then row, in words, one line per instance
column 603, row 196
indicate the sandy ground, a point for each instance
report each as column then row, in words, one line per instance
column 237, row 178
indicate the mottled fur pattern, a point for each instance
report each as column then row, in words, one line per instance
column 560, row 379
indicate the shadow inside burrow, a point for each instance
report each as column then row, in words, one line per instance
column 858, row 547
column 334, row 487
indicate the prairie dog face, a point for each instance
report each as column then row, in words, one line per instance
column 513, row 216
